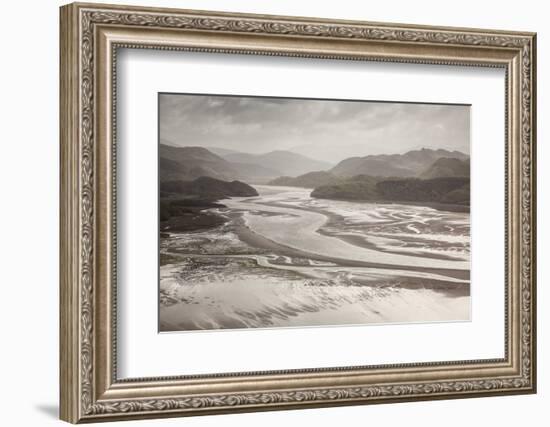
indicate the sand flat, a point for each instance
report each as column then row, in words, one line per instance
column 287, row 260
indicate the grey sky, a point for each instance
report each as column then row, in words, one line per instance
column 323, row 129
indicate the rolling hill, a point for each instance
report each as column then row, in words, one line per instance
column 189, row 163
column 410, row 164
column 207, row 188
column 445, row 167
column 286, row 163
column 448, row 190
column 185, row 205
column 308, row 180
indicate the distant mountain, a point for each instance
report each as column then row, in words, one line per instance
column 449, row 190
column 286, row 163
column 188, row 163
column 254, row 173
column 445, row 167
column 207, row 188
column 409, row 164
column 221, row 151
column 308, row 180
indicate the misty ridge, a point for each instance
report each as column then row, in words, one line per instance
column 192, row 178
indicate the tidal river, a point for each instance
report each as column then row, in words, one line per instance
column 284, row 259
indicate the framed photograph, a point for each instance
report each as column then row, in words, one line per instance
column 266, row 212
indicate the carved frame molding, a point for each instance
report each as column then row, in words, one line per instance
column 89, row 387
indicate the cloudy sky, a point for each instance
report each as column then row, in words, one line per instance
column 322, row 129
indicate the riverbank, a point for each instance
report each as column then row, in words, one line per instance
column 258, row 241
column 448, row 207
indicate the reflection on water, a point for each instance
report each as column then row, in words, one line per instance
column 285, row 259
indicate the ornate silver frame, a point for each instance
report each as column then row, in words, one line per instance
column 90, row 36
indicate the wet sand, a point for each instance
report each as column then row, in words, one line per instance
column 258, row 241
column 235, row 276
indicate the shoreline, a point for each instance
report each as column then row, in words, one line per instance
column 354, row 240
column 255, row 240
column 251, row 238
column 255, row 272
column 449, row 207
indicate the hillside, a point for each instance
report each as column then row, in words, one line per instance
column 207, row 188
column 286, row 163
column 441, row 190
column 188, row 163
column 445, row 167
column 451, row 190
column 184, row 205
column 308, row 180
column 220, row 151
column 360, row 187
column 409, row 164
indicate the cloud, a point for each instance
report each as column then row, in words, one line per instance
column 325, row 129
